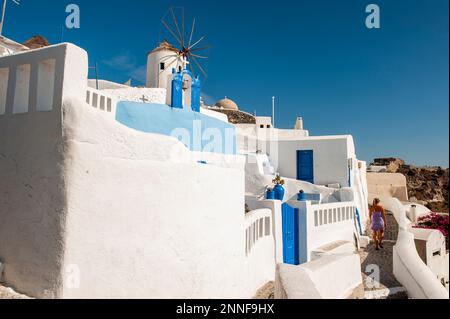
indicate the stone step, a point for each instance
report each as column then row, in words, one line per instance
column 334, row 248
column 386, row 293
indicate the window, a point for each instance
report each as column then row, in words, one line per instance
column 268, row 126
column 261, row 126
column 162, row 66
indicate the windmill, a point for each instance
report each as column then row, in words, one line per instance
column 188, row 53
column 17, row 2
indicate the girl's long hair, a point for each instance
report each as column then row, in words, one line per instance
column 375, row 203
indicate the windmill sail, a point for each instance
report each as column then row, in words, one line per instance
column 175, row 26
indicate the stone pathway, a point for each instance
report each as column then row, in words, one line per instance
column 8, row 293
column 379, row 264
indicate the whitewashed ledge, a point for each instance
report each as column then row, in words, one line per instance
column 318, row 280
column 412, row 273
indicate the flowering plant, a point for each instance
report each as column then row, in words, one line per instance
column 435, row 221
column 278, row 180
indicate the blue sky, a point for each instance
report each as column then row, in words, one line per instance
column 386, row 87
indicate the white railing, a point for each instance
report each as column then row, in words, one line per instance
column 101, row 101
column 328, row 214
column 258, row 225
column 323, row 224
column 409, row 269
column 39, row 80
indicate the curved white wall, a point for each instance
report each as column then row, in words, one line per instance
column 329, row 277
column 409, row 269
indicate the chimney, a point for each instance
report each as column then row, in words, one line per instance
column 299, row 124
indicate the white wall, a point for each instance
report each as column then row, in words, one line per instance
column 331, row 165
column 256, row 183
column 105, row 85
column 277, row 230
column 32, row 181
column 97, row 210
column 330, row 159
column 329, row 277
column 260, row 247
column 324, row 224
column 387, row 185
column 331, row 154
column 140, row 95
column 430, row 244
column 217, row 115
column 101, row 101
column 409, row 269
column 157, row 78
column 361, row 192
column 167, row 237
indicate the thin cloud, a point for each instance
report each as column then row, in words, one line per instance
column 208, row 99
column 127, row 64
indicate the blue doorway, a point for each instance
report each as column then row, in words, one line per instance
column 305, row 166
column 290, row 221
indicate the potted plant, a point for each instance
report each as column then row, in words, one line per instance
column 279, row 189
column 301, row 196
column 270, row 193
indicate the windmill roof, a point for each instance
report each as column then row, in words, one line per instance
column 165, row 45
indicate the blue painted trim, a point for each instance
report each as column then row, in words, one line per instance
column 199, row 132
column 177, row 90
column 195, row 95
column 349, row 177
column 290, row 226
column 301, row 197
column 358, row 217
column 301, row 156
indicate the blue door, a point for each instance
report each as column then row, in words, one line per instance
column 290, row 235
column 305, row 166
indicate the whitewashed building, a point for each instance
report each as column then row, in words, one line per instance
column 113, row 191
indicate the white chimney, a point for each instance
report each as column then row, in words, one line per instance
column 299, row 124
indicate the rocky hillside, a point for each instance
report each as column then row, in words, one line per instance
column 237, row 117
column 427, row 184
column 36, row 42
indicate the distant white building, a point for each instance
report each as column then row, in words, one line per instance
column 8, row 46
